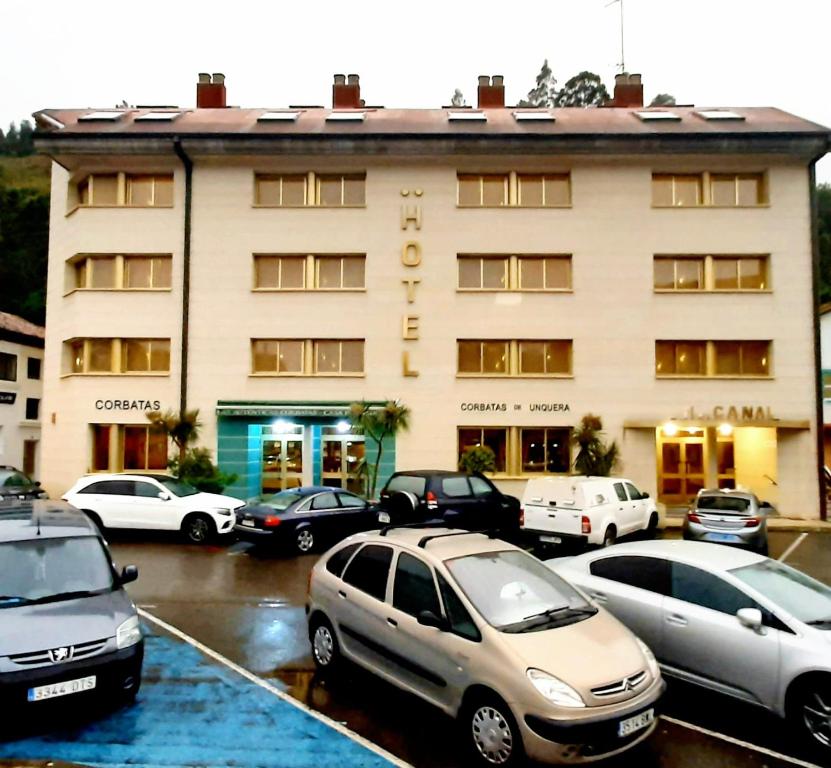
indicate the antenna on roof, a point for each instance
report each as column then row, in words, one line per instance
column 622, row 62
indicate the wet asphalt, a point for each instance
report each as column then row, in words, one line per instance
column 248, row 604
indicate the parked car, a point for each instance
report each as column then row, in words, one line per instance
column 305, row 517
column 733, row 621
column 488, row 634
column 153, row 502
column 69, row 628
column 729, row 517
column 461, row 500
column 18, row 485
column 586, row 510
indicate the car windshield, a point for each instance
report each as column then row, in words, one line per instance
column 13, row 479
column 177, row 487
column 49, row 570
column 515, row 592
column 723, row 503
column 801, row 596
column 282, row 500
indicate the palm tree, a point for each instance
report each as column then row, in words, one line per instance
column 594, row 457
column 181, row 428
column 378, row 423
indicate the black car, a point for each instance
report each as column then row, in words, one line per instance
column 16, row 485
column 458, row 499
column 305, row 517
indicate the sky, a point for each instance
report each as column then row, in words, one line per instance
column 96, row 53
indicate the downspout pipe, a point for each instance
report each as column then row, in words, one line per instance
column 820, row 446
column 188, row 165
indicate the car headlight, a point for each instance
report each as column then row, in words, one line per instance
column 556, row 691
column 129, row 633
column 651, row 661
column 223, row 511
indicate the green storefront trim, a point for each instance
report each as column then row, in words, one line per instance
column 240, row 437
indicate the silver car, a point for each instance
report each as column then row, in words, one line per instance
column 730, row 620
column 728, row 517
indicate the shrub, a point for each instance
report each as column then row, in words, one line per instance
column 477, row 459
column 198, row 469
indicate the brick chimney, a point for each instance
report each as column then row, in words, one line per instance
column 628, row 91
column 346, row 92
column 210, row 91
column 491, row 92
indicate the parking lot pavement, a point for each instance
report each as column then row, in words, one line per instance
column 190, row 711
column 248, row 606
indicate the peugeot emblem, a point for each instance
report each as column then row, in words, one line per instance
column 61, row 654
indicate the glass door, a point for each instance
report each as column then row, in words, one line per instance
column 681, row 470
column 342, row 460
column 282, row 461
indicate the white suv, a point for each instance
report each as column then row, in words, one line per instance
column 154, row 502
column 480, row 629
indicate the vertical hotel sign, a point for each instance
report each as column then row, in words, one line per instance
column 411, row 259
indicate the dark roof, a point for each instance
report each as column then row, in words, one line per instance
column 220, row 131
column 309, row 490
column 429, row 472
column 14, row 328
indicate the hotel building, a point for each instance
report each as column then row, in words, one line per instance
column 501, row 271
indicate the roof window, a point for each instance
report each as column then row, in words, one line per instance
column 719, row 114
column 158, row 117
column 103, row 116
column 467, row 114
column 346, row 117
column 521, row 117
column 278, row 117
column 657, row 115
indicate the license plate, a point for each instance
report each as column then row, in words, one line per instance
column 249, row 523
column 551, row 539
column 722, row 537
column 636, row 723
column 61, row 689
column 383, row 517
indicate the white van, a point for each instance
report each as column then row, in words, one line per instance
column 594, row 510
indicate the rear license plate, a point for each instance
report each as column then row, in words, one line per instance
column 551, row 539
column 731, row 537
column 383, row 517
column 636, row 723
column 249, row 523
column 61, row 689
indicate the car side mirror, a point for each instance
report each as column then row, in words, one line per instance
column 765, row 505
column 128, row 574
column 37, row 483
column 164, row 496
column 750, row 618
column 644, row 495
column 429, row 619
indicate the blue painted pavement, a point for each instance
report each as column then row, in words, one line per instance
column 192, row 711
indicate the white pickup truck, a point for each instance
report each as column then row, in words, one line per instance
column 594, row 510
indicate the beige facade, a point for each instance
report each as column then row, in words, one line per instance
column 411, row 231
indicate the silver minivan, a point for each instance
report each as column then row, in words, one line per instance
column 69, row 630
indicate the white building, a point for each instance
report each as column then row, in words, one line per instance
column 501, row 271
column 21, row 386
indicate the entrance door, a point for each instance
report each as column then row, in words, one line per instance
column 341, row 458
column 682, row 469
column 282, row 463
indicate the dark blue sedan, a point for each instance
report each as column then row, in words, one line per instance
column 305, row 518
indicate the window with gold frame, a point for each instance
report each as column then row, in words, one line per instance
column 721, row 358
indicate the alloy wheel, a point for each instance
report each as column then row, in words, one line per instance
column 492, row 735
column 198, row 530
column 305, row 540
column 816, row 713
column 323, row 646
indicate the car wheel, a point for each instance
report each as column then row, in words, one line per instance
column 652, row 525
column 325, row 648
column 304, row 540
column 96, row 520
column 493, row 733
column 610, row 537
column 810, row 711
column 198, row 529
